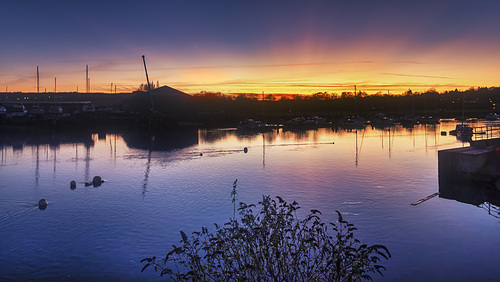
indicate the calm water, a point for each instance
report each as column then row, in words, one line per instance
column 156, row 186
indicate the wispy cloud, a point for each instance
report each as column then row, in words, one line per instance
column 416, row 75
column 297, row 87
column 278, row 65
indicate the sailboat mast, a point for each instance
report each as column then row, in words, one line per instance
column 463, row 107
column 263, row 108
column 355, row 101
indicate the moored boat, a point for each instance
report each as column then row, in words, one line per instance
column 18, row 110
column 492, row 116
column 250, row 124
column 54, row 109
column 300, row 122
column 352, row 122
column 88, row 108
column 462, row 130
column 37, row 110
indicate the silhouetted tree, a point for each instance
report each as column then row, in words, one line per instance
column 144, row 87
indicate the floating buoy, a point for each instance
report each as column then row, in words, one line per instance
column 245, row 150
column 333, row 142
column 97, row 181
column 42, row 204
column 72, row 184
column 201, row 154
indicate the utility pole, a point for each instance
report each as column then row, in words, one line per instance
column 37, row 80
column 87, row 78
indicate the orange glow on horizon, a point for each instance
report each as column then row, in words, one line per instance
column 307, row 69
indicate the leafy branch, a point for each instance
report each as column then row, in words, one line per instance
column 272, row 244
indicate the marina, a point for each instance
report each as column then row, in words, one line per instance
column 368, row 132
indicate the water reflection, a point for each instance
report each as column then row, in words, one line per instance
column 371, row 175
column 271, row 136
column 37, row 170
column 48, row 144
column 312, row 137
column 161, row 141
column 45, row 147
column 214, row 135
column 87, row 160
column 483, row 194
column 20, row 138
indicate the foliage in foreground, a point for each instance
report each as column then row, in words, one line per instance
column 272, row 245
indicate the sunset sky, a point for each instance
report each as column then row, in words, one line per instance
column 234, row 46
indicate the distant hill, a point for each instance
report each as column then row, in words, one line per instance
column 166, row 100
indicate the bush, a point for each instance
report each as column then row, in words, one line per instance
column 272, row 245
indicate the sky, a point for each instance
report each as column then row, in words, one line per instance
column 292, row 47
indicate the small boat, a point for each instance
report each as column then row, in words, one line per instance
column 381, row 120
column 464, row 135
column 37, row 110
column 352, row 122
column 88, row 108
column 462, row 130
column 18, row 110
column 300, row 122
column 250, row 124
column 110, row 110
column 492, row 116
column 54, row 109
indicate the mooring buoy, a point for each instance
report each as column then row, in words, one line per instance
column 245, row 150
column 97, row 181
column 42, row 204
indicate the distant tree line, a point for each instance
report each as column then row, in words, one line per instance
column 472, row 102
column 218, row 109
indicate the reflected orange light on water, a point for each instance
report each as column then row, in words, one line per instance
column 367, row 155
